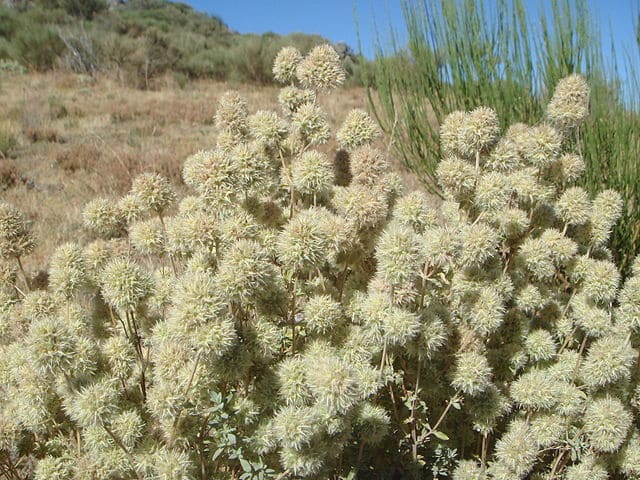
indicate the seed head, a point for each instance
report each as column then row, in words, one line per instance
column 587, row 469
column 399, row 255
column 93, row 404
column 487, row 409
column 468, row 470
column 313, row 173
column 303, row 244
column 169, row 463
column 120, row 356
column 153, row 191
column 232, row 113
column 570, row 167
column 196, row 301
column 16, row 239
column 607, row 209
column 594, row 321
column 147, row 237
column 372, row 423
column 479, row 131
column 399, row 326
column 472, row 373
column 517, row 449
column 493, row 192
column 295, row 426
column 535, row 390
column 189, row 234
column 609, row 360
column 599, row 279
column 541, row 145
column 292, row 381
column 211, row 174
column 413, row 210
column 512, row 222
column 504, row 157
column 322, row 314
column 357, row 130
column 103, row 217
column 310, row 122
column 529, row 299
column 574, row 206
column 570, row 398
column 479, row 243
column 457, row 178
column 606, row 423
column 130, row 208
column 487, row 313
column 526, row 186
column 128, row 426
column 450, row 132
column 629, row 312
column 245, row 272
column 630, row 457
column 267, row 128
column 547, row 429
column 250, row 165
column 286, row 64
column 321, row 69
column 332, row 383
column 540, row 346
column 569, row 106
column 53, row 345
column 39, row 304
column 123, row 284
column 54, row 468
column 292, row 98
column 67, row 271
column 367, row 165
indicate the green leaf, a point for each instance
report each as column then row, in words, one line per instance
column 441, row 435
column 246, row 466
column 217, row 453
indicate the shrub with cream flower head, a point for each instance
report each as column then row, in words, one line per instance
column 284, row 321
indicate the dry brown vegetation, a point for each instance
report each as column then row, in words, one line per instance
column 77, row 138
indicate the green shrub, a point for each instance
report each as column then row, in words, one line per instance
column 37, row 47
column 7, row 142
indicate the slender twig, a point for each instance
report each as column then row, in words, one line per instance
column 450, row 402
column 176, row 421
column 119, row 443
column 164, row 235
column 24, row 274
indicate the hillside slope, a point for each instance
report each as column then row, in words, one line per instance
column 138, row 41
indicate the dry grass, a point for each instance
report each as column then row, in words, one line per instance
column 79, row 138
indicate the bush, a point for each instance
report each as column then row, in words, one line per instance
column 274, row 323
column 7, row 141
column 37, row 47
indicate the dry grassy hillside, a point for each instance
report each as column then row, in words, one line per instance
column 78, row 138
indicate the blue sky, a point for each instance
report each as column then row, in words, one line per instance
column 336, row 19
column 333, row 19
